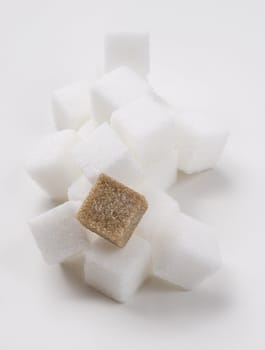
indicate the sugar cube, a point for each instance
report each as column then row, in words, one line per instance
column 116, row 272
column 58, row 234
column 112, row 210
column 186, row 253
column 104, row 152
column 163, row 173
column 114, row 90
column 199, row 145
column 52, row 166
column 85, row 131
column 161, row 206
column 147, row 128
column 79, row 189
column 71, row 106
column 127, row 49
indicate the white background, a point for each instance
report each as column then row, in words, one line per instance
column 207, row 55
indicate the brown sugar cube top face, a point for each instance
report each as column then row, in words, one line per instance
column 112, row 210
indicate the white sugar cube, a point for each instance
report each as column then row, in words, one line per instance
column 146, row 127
column 127, row 49
column 85, row 131
column 104, row 152
column 199, row 144
column 58, row 234
column 161, row 206
column 117, row 272
column 52, row 165
column 186, row 253
column 71, row 106
column 79, row 190
column 114, row 90
column 163, row 173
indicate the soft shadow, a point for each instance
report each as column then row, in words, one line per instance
column 162, row 301
column 205, row 183
column 45, row 204
column 190, row 190
column 156, row 300
column 73, row 269
column 73, row 275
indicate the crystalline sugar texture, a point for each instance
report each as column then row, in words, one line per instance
column 112, row 210
column 186, row 253
column 71, row 106
column 104, row 152
column 127, row 49
column 117, row 272
column 58, row 234
column 115, row 89
column 52, row 166
column 147, row 128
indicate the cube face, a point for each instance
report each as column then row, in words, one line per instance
column 85, row 131
column 103, row 152
column 161, row 207
column 116, row 272
column 163, row 173
column 186, row 253
column 146, row 127
column 199, row 144
column 112, row 210
column 79, row 189
column 58, row 233
column 205, row 154
column 52, row 166
column 71, row 106
column 114, row 90
column 127, row 49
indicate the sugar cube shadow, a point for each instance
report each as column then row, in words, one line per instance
column 73, row 275
column 157, row 300
column 162, row 302
column 207, row 182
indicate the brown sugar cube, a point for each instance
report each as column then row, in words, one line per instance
column 112, row 210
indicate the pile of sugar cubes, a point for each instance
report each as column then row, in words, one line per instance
column 116, row 152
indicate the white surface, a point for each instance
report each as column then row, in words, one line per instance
column 116, row 272
column 104, row 152
column 51, row 163
column 146, row 127
column 199, row 146
column 115, row 89
column 186, row 253
column 208, row 55
column 129, row 49
column 71, row 105
column 163, row 173
column 79, row 189
column 161, row 206
column 58, row 234
column 85, row 131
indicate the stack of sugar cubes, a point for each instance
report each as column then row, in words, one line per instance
column 116, row 152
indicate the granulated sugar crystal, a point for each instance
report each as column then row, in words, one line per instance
column 112, row 210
